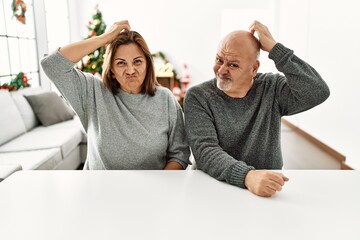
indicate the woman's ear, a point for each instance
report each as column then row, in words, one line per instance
column 112, row 75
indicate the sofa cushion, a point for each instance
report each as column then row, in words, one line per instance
column 50, row 108
column 73, row 123
column 31, row 160
column 66, row 139
column 11, row 123
column 26, row 112
column 7, row 169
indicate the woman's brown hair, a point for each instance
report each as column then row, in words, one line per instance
column 150, row 82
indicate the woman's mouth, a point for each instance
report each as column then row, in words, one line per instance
column 132, row 78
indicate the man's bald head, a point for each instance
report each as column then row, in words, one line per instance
column 241, row 41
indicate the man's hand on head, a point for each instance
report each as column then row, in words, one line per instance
column 266, row 40
column 264, row 183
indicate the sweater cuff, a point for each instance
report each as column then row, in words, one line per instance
column 278, row 52
column 238, row 174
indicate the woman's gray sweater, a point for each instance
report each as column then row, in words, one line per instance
column 124, row 131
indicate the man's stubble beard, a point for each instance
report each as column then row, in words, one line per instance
column 223, row 85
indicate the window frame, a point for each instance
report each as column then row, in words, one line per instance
column 14, row 43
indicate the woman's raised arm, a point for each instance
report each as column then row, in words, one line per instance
column 77, row 50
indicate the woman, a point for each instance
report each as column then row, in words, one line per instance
column 131, row 121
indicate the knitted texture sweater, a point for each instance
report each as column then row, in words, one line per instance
column 124, row 131
column 231, row 136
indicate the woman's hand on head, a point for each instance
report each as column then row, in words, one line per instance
column 115, row 29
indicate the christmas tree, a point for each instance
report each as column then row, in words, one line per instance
column 93, row 62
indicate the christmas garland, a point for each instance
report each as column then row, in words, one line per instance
column 20, row 81
column 19, row 10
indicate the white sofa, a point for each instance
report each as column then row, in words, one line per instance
column 25, row 142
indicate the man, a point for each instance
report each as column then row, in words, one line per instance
column 233, row 121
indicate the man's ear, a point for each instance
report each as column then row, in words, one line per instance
column 256, row 67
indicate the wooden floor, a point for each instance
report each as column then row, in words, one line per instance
column 299, row 153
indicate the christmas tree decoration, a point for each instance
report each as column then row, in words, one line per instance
column 185, row 78
column 19, row 9
column 177, row 91
column 20, row 81
column 163, row 68
column 93, row 62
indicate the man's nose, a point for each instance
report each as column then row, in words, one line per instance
column 223, row 69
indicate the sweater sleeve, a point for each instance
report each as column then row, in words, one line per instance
column 178, row 149
column 302, row 87
column 72, row 83
column 203, row 139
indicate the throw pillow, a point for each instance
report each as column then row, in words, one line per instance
column 50, row 108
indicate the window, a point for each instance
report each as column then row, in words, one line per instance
column 17, row 45
column 57, row 27
column 57, row 24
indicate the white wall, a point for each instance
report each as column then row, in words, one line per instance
column 322, row 32
column 187, row 31
column 325, row 34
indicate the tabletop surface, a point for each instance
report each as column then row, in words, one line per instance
column 314, row 204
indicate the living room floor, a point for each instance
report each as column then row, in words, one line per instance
column 299, row 153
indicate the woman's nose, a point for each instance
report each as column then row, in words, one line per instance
column 130, row 69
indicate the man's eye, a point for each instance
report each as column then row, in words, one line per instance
column 219, row 61
column 233, row 66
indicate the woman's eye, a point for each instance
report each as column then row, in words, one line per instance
column 137, row 62
column 121, row 63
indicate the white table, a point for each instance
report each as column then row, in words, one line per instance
column 145, row 205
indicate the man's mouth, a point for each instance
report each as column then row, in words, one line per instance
column 223, row 78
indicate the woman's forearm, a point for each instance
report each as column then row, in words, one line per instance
column 77, row 50
column 172, row 165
